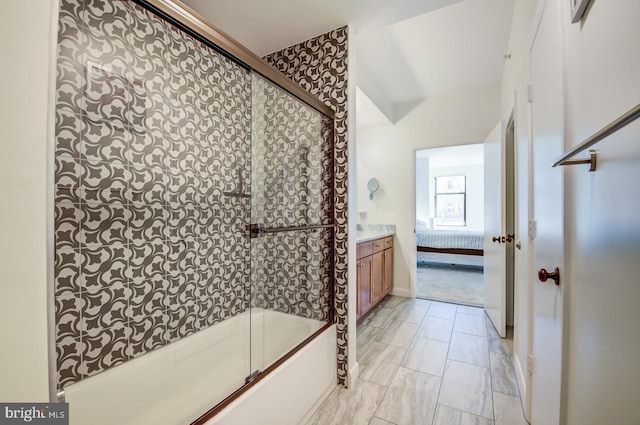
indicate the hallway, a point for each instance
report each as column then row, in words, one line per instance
column 427, row 363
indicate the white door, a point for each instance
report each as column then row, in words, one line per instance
column 495, row 268
column 546, row 121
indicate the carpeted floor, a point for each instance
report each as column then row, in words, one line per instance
column 451, row 283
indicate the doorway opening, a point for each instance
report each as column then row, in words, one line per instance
column 450, row 224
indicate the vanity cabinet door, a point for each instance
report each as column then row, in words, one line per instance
column 364, row 285
column 388, row 270
column 377, row 277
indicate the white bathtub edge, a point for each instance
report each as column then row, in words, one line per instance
column 292, row 392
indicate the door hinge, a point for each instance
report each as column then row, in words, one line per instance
column 532, row 230
column 530, row 364
column 529, row 93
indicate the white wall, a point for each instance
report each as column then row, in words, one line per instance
column 603, row 219
column 27, row 37
column 514, row 80
column 388, row 153
column 475, row 191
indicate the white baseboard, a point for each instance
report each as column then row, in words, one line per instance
column 401, row 292
column 522, row 385
column 353, row 374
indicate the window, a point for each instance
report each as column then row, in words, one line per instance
column 451, row 201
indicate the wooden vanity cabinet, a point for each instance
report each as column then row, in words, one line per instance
column 375, row 273
column 364, row 285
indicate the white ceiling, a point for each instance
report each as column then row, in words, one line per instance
column 406, row 50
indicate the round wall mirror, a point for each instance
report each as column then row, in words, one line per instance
column 373, row 185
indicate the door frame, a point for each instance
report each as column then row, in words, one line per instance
column 413, row 257
column 566, row 246
column 525, row 367
column 511, row 208
column 523, row 258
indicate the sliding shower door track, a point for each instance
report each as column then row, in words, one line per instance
column 187, row 19
column 257, row 377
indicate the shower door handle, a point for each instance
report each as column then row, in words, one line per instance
column 255, row 230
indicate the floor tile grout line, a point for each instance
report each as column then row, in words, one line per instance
column 446, row 359
column 412, row 342
column 502, row 392
column 467, row 333
column 493, row 404
column 467, row 412
column 490, row 386
column 398, row 368
column 386, row 390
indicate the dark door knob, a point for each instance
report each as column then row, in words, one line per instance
column 543, row 275
column 496, row 239
column 510, row 237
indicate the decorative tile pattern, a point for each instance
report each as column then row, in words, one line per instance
column 152, row 128
column 319, row 65
column 135, row 135
column 296, row 279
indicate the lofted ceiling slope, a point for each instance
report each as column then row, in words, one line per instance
column 406, row 50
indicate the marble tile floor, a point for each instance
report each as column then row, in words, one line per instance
column 427, row 363
column 450, row 283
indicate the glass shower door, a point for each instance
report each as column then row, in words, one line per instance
column 292, row 223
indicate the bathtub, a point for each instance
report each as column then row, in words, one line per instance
column 178, row 382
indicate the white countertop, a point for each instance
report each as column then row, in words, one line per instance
column 370, row 232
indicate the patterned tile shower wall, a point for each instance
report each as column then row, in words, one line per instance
column 292, row 185
column 152, row 127
column 319, row 65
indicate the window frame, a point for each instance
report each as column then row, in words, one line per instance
column 464, row 197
